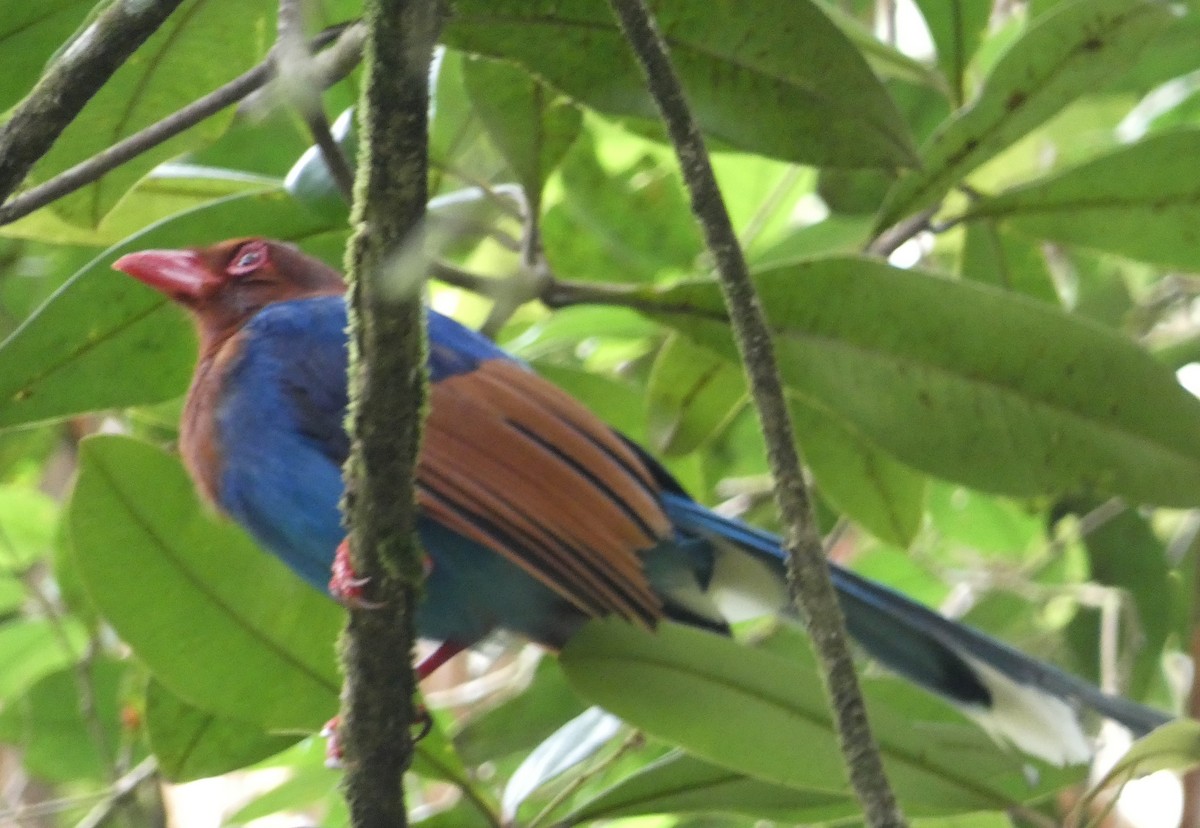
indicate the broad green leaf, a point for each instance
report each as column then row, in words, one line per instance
column 30, row 33
column 195, row 51
column 104, row 340
column 983, row 387
column 191, row 743
column 530, row 123
column 957, row 28
column 994, row 257
column 775, row 722
column 1064, row 55
column 683, row 784
column 983, row 523
column 28, row 523
column 1141, row 200
column 737, row 63
column 223, row 625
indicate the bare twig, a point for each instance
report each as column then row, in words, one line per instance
column 93, row 168
column 122, row 790
column 69, row 83
column 387, row 392
column 298, row 71
column 810, row 575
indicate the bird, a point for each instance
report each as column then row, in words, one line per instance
column 535, row 516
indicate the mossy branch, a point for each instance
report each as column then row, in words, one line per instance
column 810, row 581
column 387, row 394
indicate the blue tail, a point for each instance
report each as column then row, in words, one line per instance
column 1007, row 691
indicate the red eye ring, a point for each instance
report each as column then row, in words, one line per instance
column 249, row 258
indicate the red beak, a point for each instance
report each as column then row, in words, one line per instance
column 180, row 274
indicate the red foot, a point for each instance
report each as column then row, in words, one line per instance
column 345, row 585
column 333, row 749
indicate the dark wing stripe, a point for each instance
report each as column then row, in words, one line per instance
column 493, row 483
column 516, row 532
column 582, row 420
column 576, row 436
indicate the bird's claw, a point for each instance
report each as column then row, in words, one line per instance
column 334, row 756
column 345, row 585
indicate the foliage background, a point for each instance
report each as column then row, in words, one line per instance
column 977, row 254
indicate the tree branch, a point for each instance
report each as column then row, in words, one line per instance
column 387, row 393
column 241, row 87
column 809, row 573
column 69, row 83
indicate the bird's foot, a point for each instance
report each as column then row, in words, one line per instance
column 334, row 756
column 345, row 585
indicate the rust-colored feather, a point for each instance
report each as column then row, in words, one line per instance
column 513, row 463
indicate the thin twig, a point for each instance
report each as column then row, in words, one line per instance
column 92, row 169
column 122, row 790
column 810, row 579
column 295, row 63
column 80, row 70
column 887, row 242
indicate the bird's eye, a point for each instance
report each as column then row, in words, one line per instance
column 248, row 259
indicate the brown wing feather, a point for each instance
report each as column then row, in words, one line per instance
column 512, row 462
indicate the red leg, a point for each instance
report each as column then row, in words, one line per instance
column 445, row 651
column 344, row 583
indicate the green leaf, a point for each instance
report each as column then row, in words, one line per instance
column 983, row 387
column 57, row 743
column 191, row 743
column 1064, row 55
column 28, row 523
column 691, row 395
column 192, row 53
column 29, row 35
column 1142, row 201
column 870, row 487
column 957, row 29
column 737, row 63
column 1174, row 746
column 994, row 257
column 775, row 722
column 679, row 783
column 531, row 125
column 31, row 648
column 104, row 340
column 224, row 626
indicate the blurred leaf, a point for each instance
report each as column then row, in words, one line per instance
column 28, row 522
column 1062, row 56
column 957, row 29
column 194, row 51
column 57, row 742
column 979, row 386
column 1141, row 200
column 105, row 340
column 627, row 225
column 870, row 487
column 737, row 64
column 1174, row 746
column 31, row 648
column 310, row 181
column 522, row 722
column 981, row 522
column 30, row 33
column 191, row 743
column 530, row 123
column 994, row 257
column 682, row 784
column 572, row 744
column 775, row 725
column 692, row 394
column 240, row 636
